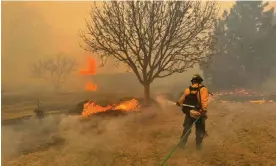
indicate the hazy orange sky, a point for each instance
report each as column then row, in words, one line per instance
column 40, row 29
column 31, row 30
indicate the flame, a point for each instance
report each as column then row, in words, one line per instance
column 90, row 86
column 91, row 70
column 91, row 107
column 242, row 92
column 257, row 101
column 130, row 105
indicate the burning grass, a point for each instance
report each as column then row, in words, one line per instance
column 243, row 95
column 238, row 135
column 110, row 106
column 91, row 108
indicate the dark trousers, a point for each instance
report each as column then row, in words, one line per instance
column 200, row 129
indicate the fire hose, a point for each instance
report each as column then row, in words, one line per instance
column 172, row 151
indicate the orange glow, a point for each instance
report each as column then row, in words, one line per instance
column 91, row 69
column 90, row 86
column 130, row 105
column 242, row 92
column 91, row 107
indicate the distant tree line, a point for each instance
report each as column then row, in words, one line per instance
column 245, row 50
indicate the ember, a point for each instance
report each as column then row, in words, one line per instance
column 91, row 107
column 261, row 101
column 242, row 95
column 240, row 92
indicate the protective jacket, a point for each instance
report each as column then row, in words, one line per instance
column 196, row 95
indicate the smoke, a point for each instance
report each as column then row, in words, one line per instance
column 143, row 138
column 71, row 135
column 18, row 138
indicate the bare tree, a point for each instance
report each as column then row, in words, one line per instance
column 154, row 39
column 55, row 70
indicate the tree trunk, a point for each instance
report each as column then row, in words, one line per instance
column 147, row 94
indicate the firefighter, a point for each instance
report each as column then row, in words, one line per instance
column 197, row 96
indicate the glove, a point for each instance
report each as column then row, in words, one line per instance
column 204, row 113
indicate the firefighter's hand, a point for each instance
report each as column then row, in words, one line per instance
column 204, row 113
column 177, row 104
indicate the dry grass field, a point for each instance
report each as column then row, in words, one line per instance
column 239, row 134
